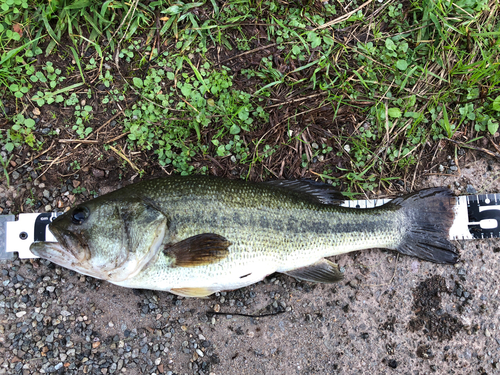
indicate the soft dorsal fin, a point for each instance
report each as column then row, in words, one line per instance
column 198, row 250
column 316, row 192
column 323, row 271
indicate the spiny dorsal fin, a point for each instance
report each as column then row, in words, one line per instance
column 323, row 271
column 317, row 192
column 198, row 250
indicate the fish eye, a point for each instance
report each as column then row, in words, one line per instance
column 80, row 214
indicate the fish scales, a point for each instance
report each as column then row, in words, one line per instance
column 267, row 228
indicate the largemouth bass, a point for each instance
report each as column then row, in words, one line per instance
column 196, row 235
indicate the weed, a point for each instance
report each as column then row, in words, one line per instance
column 5, row 162
column 406, row 78
column 75, row 165
column 79, row 190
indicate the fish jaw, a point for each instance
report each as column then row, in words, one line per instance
column 57, row 253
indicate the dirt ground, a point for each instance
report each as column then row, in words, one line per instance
column 390, row 315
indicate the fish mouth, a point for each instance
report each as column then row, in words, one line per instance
column 53, row 251
column 68, row 252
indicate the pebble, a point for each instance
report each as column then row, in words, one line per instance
column 97, row 172
column 15, row 175
column 470, row 189
column 19, row 314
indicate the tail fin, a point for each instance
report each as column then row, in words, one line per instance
column 427, row 217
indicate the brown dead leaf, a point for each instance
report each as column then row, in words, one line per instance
column 17, row 29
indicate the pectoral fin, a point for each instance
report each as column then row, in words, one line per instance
column 323, row 271
column 198, row 250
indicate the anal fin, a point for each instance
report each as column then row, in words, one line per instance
column 323, row 271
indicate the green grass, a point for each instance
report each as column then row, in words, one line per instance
column 393, row 80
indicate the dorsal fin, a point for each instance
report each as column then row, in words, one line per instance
column 198, row 250
column 316, row 192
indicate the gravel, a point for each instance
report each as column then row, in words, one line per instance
column 55, row 321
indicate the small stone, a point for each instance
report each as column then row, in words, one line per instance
column 48, row 208
column 392, row 363
column 36, row 111
column 19, row 314
column 50, row 338
column 76, row 183
column 15, row 175
column 470, row 189
column 50, row 288
column 441, row 168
